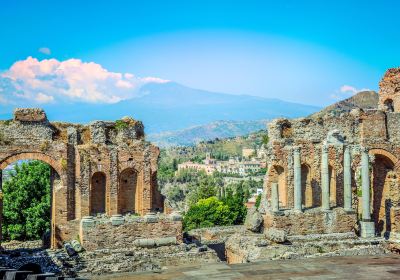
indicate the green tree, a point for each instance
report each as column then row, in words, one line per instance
column 207, row 213
column 236, row 204
column 26, row 201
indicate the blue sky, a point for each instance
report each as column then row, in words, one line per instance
column 312, row 52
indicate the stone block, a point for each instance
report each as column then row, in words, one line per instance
column 87, row 222
column 275, row 235
column 165, row 241
column 30, row 115
column 151, row 218
column 117, row 220
column 254, row 220
column 367, row 229
column 145, row 243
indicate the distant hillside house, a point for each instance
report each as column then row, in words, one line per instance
column 232, row 166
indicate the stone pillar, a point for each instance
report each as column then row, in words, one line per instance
column 347, row 179
column 325, row 178
column 274, row 197
column 367, row 226
column 297, row 179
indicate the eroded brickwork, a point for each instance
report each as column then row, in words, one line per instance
column 87, row 163
column 378, row 131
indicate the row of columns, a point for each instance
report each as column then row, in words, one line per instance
column 366, row 215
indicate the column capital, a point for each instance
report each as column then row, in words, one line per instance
column 296, row 149
column 363, row 149
column 325, row 148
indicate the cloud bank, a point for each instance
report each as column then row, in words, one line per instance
column 50, row 80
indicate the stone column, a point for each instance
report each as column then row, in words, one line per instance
column 365, row 182
column 325, row 178
column 367, row 226
column 274, row 197
column 347, row 179
column 297, row 179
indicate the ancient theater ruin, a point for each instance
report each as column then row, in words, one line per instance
column 328, row 174
column 102, row 168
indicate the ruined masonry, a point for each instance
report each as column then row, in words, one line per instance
column 338, row 173
column 103, row 175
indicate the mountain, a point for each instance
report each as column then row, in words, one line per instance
column 171, row 106
column 363, row 100
column 193, row 135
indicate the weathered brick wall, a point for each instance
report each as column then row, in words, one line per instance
column 77, row 153
column 312, row 222
column 106, row 235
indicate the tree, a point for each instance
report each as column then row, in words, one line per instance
column 26, row 201
column 236, row 204
column 207, row 213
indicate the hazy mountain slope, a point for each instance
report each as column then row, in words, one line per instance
column 171, row 106
column 363, row 100
column 196, row 134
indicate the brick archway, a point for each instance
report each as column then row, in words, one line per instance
column 56, row 188
column 384, row 183
column 32, row 156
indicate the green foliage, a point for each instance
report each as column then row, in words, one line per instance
column 120, row 125
column 205, row 187
column 265, row 139
column 258, row 201
column 207, row 213
column 26, row 201
column 236, row 204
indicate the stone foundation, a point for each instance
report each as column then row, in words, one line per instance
column 312, row 221
column 128, row 231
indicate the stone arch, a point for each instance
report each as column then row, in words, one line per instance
column 98, row 193
column 388, row 105
column 306, row 186
column 128, row 181
column 279, row 175
column 32, row 156
column 58, row 185
column 385, row 189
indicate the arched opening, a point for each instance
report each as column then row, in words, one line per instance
column 332, row 186
column 98, row 193
column 306, row 187
column 28, row 184
column 389, row 107
column 278, row 175
column 384, row 180
column 34, row 267
column 286, row 130
column 127, row 191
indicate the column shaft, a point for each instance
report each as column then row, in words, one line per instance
column 347, row 179
column 297, row 180
column 274, row 197
column 366, row 212
column 325, row 178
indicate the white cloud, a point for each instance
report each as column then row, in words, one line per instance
column 45, row 50
column 43, row 98
column 50, row 80
column 346, row 91
column 351, row 90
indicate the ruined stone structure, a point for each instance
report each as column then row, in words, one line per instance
column 337, row 173
column 101, row 168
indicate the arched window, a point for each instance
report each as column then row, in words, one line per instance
column 127, row 191
column 98, row 193
column 389, row 105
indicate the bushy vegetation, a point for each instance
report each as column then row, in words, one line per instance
column 26, row 201
column 213, row 211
